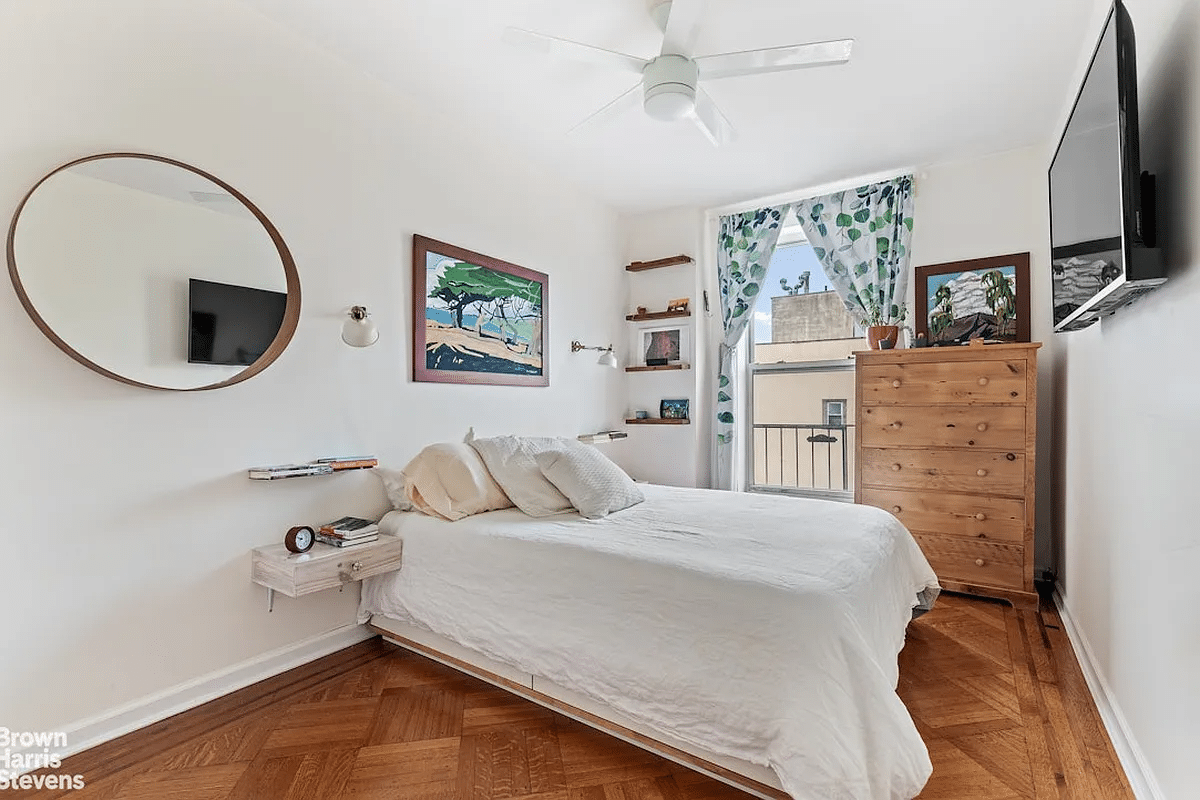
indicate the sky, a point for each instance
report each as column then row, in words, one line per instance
column 787, row 262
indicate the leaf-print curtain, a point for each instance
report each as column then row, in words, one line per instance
column 861, row 237
column 745, row 243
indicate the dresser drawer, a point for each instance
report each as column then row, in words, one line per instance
column 996, row 427
column 991, row 381
column 324, row 566
column 971, row 471
column 968, row 516
column 972, row 561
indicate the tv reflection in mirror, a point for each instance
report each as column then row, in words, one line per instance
column 231, row 325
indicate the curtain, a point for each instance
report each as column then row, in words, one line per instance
column 745, row 243
column 861, row 237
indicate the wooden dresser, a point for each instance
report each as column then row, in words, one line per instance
column 946, row 442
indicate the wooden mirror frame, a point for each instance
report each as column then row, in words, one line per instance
column 291, row 313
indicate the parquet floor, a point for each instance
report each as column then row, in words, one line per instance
column 996, row 693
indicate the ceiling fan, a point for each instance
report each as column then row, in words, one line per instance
column 670, row 82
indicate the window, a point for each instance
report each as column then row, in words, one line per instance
column 835, row 412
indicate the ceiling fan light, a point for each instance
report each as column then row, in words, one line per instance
column 668, row 102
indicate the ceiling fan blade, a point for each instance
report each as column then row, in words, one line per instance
column 683, row 27
column 626, row 100
column 775, row 59
column 574, row 51
column 711, row 122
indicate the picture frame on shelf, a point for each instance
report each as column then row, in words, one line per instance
column 674, row 409
column 669, row 342
column 979, row 298
column 477, row 319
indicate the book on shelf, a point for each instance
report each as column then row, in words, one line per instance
column 334, row 541
column 340, row 463
column 288, row 471
column 602, row 436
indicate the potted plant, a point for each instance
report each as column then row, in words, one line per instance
column 883, row 329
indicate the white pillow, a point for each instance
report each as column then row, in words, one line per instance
column 593, row 483
column 449, row 480
column 395, row 485
column 510, row 459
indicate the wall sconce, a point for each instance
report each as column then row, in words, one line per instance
column 359, row 330
column 607, row 358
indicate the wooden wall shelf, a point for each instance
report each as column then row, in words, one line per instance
column 658, row 421
column 657, row 369
column 657, row 315
column 639, row 266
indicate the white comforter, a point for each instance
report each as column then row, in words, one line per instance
column 766, row 628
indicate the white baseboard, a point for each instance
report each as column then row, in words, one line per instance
column 1137, row 769
column 119, row 721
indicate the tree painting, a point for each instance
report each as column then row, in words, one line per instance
column 942, row 314
column 999, row 296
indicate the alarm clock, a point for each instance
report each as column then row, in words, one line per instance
column 299, row 539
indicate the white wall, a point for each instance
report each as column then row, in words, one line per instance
column 1129, row 446
column 127, row 515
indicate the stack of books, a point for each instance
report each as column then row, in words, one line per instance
column 340, row 463
column 348, row 531
column 602, row 436
column 288, row 471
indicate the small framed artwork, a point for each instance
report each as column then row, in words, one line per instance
column 477, row 319
column 662, row 346
column 673, row 409
column 981, row 298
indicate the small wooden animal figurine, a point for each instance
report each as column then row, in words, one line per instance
column 679, row 305
column 641, row 311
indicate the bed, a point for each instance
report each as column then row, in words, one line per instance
column 754, row 637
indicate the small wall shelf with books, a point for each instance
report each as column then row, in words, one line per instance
column 641, row 266
column 651, row 315
column 658, row 368
column 659, row 421
column 322, row 466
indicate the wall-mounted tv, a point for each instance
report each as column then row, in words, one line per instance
column 231, row 325
column 1101, row 203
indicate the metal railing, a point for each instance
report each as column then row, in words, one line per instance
column 802, row 456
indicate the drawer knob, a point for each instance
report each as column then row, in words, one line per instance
column 979, row 562
column 896, row 384
column 981, row 473
column 983, row 381
column 895, row 509
column 981, row 427
column 897, row 425
column 356, row 566
column 981, row 516
column 895, row 467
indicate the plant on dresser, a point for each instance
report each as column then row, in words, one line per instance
column 946, row 442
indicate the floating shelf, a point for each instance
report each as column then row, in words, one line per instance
column 639, row 266
column 657, row 369
column 658, row 421
column 657, row 315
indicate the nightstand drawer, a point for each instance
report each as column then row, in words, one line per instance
column 986, row 381
column 986, row 427
column 324, row 566
column 972, row 471
column 975, row 562
column 968, row 516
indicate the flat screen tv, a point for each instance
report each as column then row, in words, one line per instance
column 231, row 325
column 1101, row 204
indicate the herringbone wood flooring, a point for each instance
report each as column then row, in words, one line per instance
column 996, row 694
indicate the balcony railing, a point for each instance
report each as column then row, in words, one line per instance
column 803, row 457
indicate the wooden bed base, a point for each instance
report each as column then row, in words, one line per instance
column 758, row 780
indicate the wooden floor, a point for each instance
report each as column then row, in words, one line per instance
column 996, row 694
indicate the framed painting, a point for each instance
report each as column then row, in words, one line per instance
column 477, row 319
column 661, row 346
column 981, row 298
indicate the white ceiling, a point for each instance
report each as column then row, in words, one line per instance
column 930, row 81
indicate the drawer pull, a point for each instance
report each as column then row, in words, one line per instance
column 979, row 562
column 895, row 467
column 981, row 473
column 981, row 516
column 896, row 384
column 897, row 425
column 983, row 381
column 981, row 427
column 895, row 509
column 356, row 566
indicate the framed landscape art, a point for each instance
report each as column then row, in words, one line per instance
column 477, row 319
column 981, row 298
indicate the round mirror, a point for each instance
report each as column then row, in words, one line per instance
column 153, row 272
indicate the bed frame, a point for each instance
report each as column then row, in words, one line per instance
column 758, row 780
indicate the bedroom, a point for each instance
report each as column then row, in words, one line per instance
column 129, row 517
